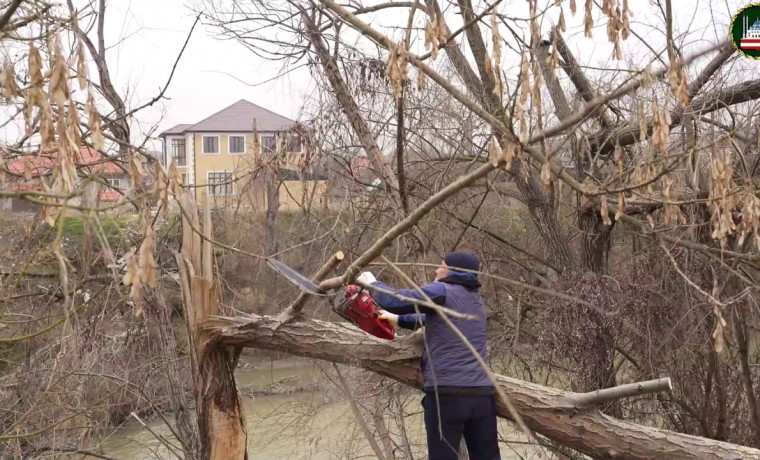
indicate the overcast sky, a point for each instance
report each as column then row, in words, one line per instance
column 211, row 75
column 145, row 37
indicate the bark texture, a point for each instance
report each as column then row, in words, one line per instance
column 221, row 424
column 548, row 411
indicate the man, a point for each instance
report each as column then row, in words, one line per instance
column 459, row 397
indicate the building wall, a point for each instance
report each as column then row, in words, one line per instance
column 186, row 170
column 296, row 195
column 245, row 192
column 204, row 163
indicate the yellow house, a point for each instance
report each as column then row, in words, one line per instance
column 217, row 157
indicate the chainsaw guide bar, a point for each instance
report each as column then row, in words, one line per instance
column 353, row 303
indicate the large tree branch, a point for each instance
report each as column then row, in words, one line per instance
column 561, row 106
column 350, row 108
column 725, row 97
column 459, row 60
column 6, row 17
column 577, row 77
column 548, row 411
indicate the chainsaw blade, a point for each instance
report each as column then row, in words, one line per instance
column 296, row 278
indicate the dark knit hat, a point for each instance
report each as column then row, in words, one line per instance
column 464, row 260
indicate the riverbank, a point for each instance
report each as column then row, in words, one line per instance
column 293, row 411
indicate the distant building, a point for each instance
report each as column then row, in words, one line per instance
column 25, row 172
column 216, row 156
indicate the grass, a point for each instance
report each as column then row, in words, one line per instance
column 115, row 230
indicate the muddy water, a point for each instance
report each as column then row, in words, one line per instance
column 313, row 424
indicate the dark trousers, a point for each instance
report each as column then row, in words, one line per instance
column 471, row 416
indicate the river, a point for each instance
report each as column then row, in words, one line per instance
column 316, row 424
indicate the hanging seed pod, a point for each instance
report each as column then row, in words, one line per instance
column 75, row 123
column 604, row 210
column 643, row 126
column 717, row 335
column 648, row 77
column 535, row 33
column 523, row 127
column 147, row 266
column 507, row 153
column 47, row 133
column 496, row 38
column 618, row 157
column 443, row 35
column 81, row 66
column 493, row 152
column 606, row 7
column 625, row 30
column 67, row 153
column 536, row 93
column 553, row 59
column 431, row 38
column 59, row 78
column 10, row 88
column 35, row 67
column 588, row 20
column 620, row 207
column 750, row 222
column 561, row 22
column 722, row 198
column 93, row 122
column 420, row 81
column 573, row 8
column 659, row 131
column 525, row 88
column 396, row 69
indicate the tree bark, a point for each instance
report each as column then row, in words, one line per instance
column 596, row 240
column 221, row 424
column 604, row 142
column 273, row 203
column 545, row 410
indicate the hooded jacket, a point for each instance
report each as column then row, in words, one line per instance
column 448, row 366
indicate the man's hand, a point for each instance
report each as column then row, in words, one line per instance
column 388, row 316
column 366, row 278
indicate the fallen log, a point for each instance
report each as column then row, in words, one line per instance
column 553, row 413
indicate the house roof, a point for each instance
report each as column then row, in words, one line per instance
column 87, row 158
column 179, row 129
column 237, row 117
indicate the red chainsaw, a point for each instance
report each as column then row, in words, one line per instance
column 354, row 303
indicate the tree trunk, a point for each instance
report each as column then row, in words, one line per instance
column 596, row 240
column 273, row 203
column 221, row 425
column 545, row 410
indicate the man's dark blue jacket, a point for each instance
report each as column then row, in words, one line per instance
column 448, row 366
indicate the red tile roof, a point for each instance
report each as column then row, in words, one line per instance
column 88, row 159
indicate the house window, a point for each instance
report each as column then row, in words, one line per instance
column 211, row 144
column 268, row 143
column 220, row 183
column 237, row 144
column 184, row 178
column 178, row 152
column 115, row 183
